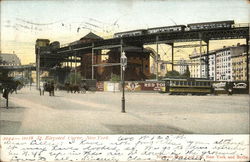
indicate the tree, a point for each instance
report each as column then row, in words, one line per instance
column 115, row 78
column 152, row 76
column 172, row 74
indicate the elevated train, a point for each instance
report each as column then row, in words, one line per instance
column 177, row 28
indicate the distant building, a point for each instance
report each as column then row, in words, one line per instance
column 239, row 63
column 181, row 66
column 225, row 64
column 9, row 60
column 212, row 64
column 197, row 65
column 239, row 67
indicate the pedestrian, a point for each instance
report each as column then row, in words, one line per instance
column 6, row 96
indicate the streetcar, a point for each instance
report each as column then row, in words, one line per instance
column 188, row 86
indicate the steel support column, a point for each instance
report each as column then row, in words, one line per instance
column 92, row 62
column 200, row 36
column 207, row 60
column 38, row 69
column 172, row 53
column 121, row 43
column 75, row 67
column 156, row 58
column 71, row 59
column 142, row 55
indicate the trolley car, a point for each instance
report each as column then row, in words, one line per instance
column 188, row 86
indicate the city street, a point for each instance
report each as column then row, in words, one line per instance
column 100, row 113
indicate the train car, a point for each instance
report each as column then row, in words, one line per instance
column 166, row 29
column 211, row 25
column 188, row 86
column 130, row 33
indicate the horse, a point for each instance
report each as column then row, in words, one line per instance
column 73, row 88
column 49, row 87
column 11, row 85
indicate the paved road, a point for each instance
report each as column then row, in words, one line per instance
column 146, row 113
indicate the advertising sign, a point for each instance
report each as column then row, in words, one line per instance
column 99, row 86
column 240, row 87
column 145, row 86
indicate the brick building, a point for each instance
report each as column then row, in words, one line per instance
column 137, row 67
column 138, row 61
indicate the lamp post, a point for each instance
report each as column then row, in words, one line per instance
column 123, row 61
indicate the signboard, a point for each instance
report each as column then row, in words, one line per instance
column 145, row 86
column 219, row 86
column 239, row 87
column 133, row 86
column 153, row 86
column 99, row 86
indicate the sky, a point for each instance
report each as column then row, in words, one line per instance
column 24, row 21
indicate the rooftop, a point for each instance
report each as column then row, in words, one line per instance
column 9, row 59
column 91, row 35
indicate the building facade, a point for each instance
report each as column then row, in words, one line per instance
column 9, row 60
column 181, row 66
column 197, row 66
column 225, row 64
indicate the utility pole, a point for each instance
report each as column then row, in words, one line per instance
column 157, row 51
column 38, row 69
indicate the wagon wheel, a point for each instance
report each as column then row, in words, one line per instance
column 82, row 90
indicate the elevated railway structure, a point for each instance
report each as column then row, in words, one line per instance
column 64, row 53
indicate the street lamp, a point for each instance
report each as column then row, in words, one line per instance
column 123, row 61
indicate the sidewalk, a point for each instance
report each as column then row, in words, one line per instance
column 100, row 113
